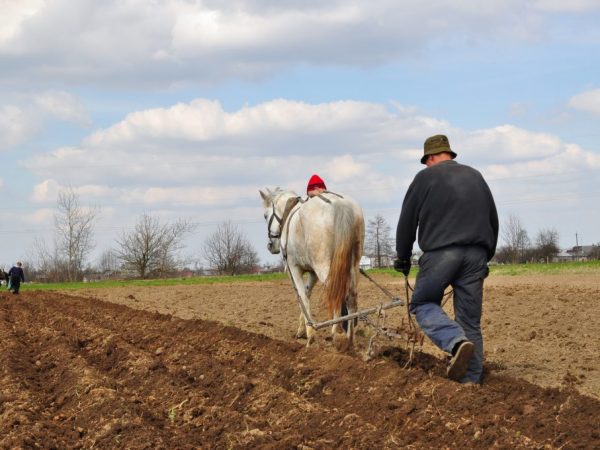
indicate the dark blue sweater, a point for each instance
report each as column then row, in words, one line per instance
column 451, row 204
column 16, row 273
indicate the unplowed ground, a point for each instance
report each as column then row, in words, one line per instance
column 77, row 371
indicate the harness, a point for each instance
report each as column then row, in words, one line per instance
column 289, row 211
column 291, row 203
column 325, row 199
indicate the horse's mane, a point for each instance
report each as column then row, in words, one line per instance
column 278, row 192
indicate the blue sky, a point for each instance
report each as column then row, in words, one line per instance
column 184, row 109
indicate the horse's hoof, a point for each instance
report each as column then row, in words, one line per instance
column 300, row 334
column 311, row 336
column 341, row 342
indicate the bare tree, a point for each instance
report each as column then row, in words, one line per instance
column 151, row 248
column 109, row 262
column 227, row 251
column 49, row 265
column 74, row 226
column 547, row 244
column 378, row 242
column 516, row 239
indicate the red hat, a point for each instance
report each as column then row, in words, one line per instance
column 315, row 182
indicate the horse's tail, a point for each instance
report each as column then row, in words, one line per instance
column 347, row 248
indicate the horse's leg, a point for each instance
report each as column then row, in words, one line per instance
column 301, row 291
column 340, row 336
column 344, row 334
column 351, row 304
column 310, row 284
column 340, row 340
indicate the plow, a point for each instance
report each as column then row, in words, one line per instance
column 375, row 317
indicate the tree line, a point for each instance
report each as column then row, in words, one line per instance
column 515, row 246
column 152, row 248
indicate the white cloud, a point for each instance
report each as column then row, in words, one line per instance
column 16, row 126
column 24, row 116
column 45, row 191
column 569, row 6
column 572, row 159
column 206, row 121
column 139, row 42
column 14, row 14
column 345, row 168
column 221, row 196
column 198, row 154
column 588, row 101
column 63, row 106
column 187, row 143
column 508, row 143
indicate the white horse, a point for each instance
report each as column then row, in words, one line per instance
column 322, row 237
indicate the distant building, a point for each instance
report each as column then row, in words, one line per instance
column 576, row 253
column 365, row 263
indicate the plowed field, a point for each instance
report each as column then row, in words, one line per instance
column 216, row 366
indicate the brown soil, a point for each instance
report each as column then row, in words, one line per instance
column 216, row 366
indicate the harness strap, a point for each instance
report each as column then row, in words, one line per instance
column 334, row 193
column 285, row 221
column 287, row 233
column 325, row 199
column 322, row 197
column 288, row 208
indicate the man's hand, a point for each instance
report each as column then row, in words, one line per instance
column 402, row 265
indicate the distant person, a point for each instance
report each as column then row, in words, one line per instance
column 16, row 276
column 453, row 208
column 315, row 186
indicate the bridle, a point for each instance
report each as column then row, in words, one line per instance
column 287, row 213
column 279, row 220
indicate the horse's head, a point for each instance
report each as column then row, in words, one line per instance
column 276, row 203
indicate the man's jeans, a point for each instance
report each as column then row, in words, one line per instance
column 464, row 268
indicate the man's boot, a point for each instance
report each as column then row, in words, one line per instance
column 460, row 361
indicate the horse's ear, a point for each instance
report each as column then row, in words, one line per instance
column 266, row 196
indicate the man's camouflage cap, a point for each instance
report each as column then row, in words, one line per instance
column 436, row 144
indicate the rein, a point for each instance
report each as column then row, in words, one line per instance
column 287, row 214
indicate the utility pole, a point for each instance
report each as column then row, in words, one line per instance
column 576, row 245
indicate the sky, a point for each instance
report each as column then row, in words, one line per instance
column 185, row 109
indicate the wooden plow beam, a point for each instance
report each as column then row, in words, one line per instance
column 360, row 314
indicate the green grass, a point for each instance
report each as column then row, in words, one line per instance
column 521, row 269
column 499, row 269
column 156, row 282
column 564, row 268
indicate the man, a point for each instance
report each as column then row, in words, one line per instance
column 16, row 276
column 453, row 208
column 315, row 186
